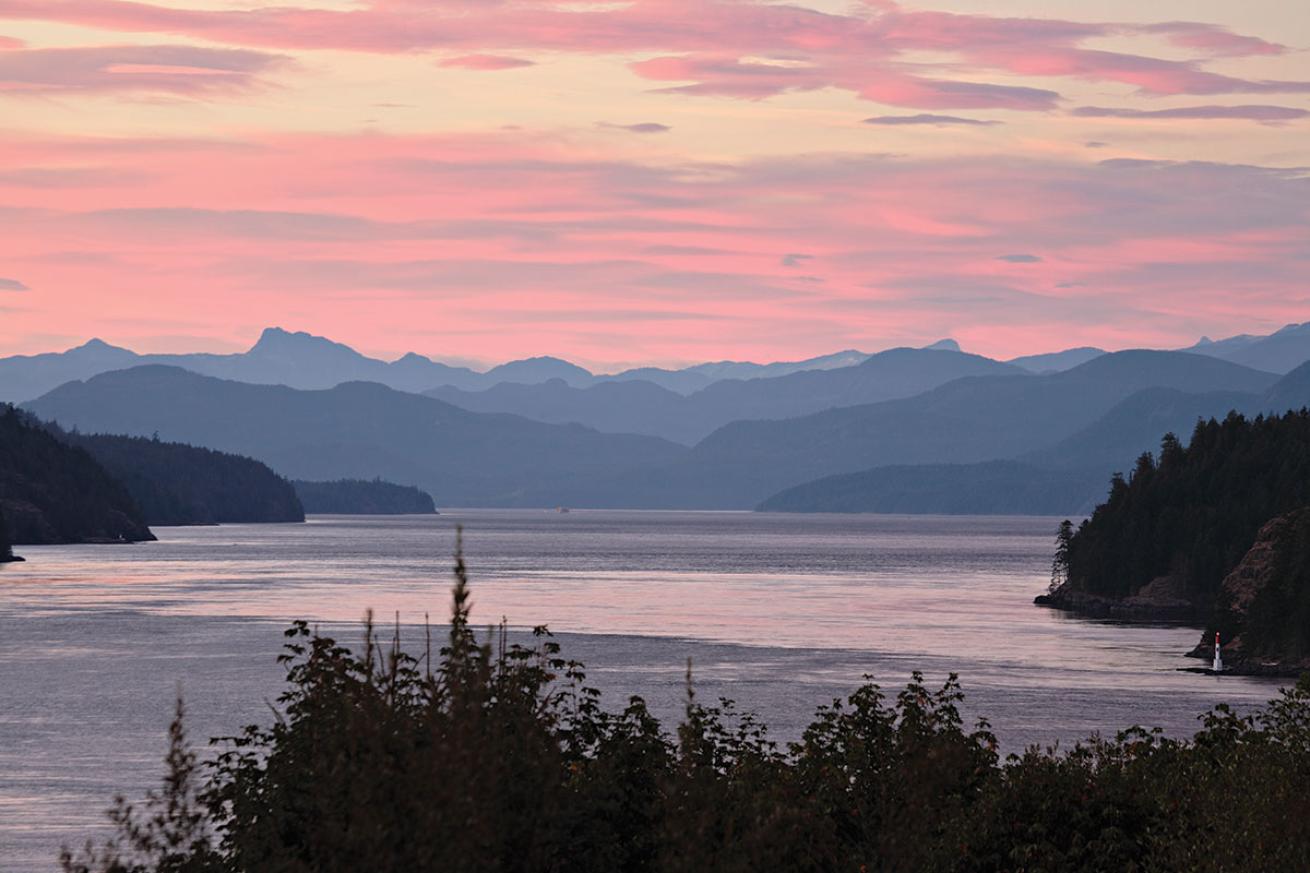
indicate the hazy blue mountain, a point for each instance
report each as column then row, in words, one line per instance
column 987, row 488
column 966, row 421
column 612, row 407
column 1067, row 478
column 1280, row 352
column 642, row 407
column 279, row 358
column 532, row 371
column 1290, row 392
column 302, row 360
column 1135, row 425
column 23, row 377
column 691, row 379
column 358, row 430
column 1058, row 362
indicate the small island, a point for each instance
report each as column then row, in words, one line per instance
column 1216, row 534
column 363, row 497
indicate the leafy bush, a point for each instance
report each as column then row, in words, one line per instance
column 486, row 756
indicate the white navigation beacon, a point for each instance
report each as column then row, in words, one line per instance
column 1218, row 656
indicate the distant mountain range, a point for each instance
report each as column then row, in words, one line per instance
column 301, row 360
column 357, row 430
column 1081, row 423
column 1068, row 477
column 542, row 431
column 968, row 420
column 642, row 407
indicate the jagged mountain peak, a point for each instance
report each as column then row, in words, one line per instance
column 943, row 345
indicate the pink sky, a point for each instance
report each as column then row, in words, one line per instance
column 656, row 181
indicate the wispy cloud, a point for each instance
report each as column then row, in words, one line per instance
column 1262, row 113
column 12, row 285
column 928, row 118
column 486, row 62
column 640, row 127
column 175, row 69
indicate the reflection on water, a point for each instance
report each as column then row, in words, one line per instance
column 779, row 612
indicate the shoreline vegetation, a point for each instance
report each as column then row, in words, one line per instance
column 478, row 755
column 1215, row 533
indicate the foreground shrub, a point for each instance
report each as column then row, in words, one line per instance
column 490, row 756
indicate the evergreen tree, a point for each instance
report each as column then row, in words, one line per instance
column 1060, row 564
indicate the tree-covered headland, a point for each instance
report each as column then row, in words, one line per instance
column 1212, row 532
column 51, row 492
column 175, row 483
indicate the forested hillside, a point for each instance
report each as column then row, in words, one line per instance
column 1195, row 512
column 175, row 483
column 51, row 492
column 363, row 497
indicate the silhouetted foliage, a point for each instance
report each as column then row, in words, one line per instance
column 175, row 483
column 363, row 497
column 51, row 492
column 485, row 756
column 6, row 549
column 1195, row 513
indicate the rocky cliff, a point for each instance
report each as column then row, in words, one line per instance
column 1264, row 607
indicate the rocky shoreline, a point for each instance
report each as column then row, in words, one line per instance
column 1170, row 611
column 1164, row 600
column 1160, row 601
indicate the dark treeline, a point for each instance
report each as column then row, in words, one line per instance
column 175, row 483
column 363, row 497
column 51, row 492
column 1195, row 512
column 6, row 547
column 495, row 757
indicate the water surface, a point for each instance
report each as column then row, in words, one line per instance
column 780, row 612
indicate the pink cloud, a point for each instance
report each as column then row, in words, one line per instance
column 374, row 237
column 8, row 42
column 485, row 62
column 1218, row 41
column 713, row 47
column 176, row 69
